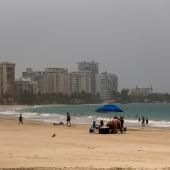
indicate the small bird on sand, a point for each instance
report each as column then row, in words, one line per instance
column 53, row 135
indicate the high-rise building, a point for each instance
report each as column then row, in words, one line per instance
column 56, row 80
column 7, row 79
column 35, row 77
column 93, row 67
column 107, row 84
column 80, row 81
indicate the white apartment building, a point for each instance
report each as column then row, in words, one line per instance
column 7, row 78
column 140, row 91
column 56, row 80
column 92, row 67
column 106, row 85
column 80, row 81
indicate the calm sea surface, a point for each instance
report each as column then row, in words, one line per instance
column 158, row 113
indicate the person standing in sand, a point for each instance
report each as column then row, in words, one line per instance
column 147, row 121
column 143, row 121
column 139, row 119
column 68, row 119
column 20, row 119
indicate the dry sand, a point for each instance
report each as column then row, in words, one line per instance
column 31, row 145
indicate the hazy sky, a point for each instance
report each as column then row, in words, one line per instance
column 130, row 38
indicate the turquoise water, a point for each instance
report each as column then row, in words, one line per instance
column 131, row 111
column 158, row 114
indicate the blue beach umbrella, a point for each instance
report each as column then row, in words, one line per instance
column 109, row 108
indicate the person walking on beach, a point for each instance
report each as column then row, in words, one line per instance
column 143, row 121
column 139, row 119
column 68, row 119
column 20, row 119
column 147, row 121
column 122, row 122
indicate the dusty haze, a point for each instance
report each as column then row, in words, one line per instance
column 130, row 38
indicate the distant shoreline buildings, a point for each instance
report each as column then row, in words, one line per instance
column 140, row 91
column 60, row 81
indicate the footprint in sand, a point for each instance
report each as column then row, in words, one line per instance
column 90, row 147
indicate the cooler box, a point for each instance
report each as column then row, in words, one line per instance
column 104, row 130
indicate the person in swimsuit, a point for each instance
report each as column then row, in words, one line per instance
column 68, row 119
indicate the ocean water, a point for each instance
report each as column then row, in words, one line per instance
column 157, row 113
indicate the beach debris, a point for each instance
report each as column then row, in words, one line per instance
column 53, row 135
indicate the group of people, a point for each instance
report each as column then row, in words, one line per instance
column 117, row 123
column 143, row 120
column 121, row 118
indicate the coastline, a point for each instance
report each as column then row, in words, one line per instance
column 81, row 114
column 13, row 111
column 31, row 146
column 32, row 113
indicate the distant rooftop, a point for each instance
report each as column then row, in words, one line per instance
column 5, row 63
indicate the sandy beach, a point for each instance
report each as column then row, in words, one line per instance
column 31, row 145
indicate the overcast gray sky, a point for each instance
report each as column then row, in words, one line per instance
column 130, row 38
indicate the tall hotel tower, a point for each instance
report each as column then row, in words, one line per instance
column 56, row 80
column 7, row 79
column 93, row 68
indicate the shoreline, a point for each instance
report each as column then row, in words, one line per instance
column 128, row 126
column 40, row 121
column 32, row 113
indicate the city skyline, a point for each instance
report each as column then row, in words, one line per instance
column 127, row 38
column 28, row 69
column 86, row 79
